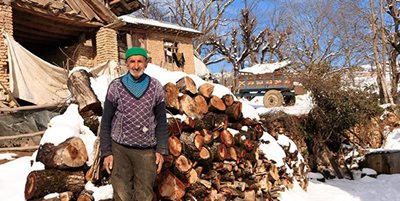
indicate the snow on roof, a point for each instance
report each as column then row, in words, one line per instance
column 200, row 69
column 265, row 68
column 144, row 21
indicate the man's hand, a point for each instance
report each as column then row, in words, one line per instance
column 159, row 162
column 108, row 163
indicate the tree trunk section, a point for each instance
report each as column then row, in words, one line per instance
column 170, row 187
column 171, row 96
column 42, row 182
column 187, row 85
column 201, row 103
column 216, row 104
column 228, row 99
column 188, row 107
column 79, row 85
column 234, row 111
column 206, row 90
column 175, row 146
column 69, row 154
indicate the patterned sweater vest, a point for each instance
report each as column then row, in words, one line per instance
column 134, row 121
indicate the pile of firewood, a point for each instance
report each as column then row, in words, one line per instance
column 214, row 151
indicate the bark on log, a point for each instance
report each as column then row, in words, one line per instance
column 192, row 140
column 218, row 151
column 216, row 104
column 206, row 90
column 69, row 154
column 85, row 195
column 228, row 99
column 186, row 85
column 171, row 96
column 79, row 85
column 42, row 182
column 234, row 111
column 188, row 107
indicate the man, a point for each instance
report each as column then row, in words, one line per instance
column 133, row 132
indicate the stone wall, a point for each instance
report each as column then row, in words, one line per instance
column 106, row 45
column 6, row 25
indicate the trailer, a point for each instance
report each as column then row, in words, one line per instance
column 277, row 87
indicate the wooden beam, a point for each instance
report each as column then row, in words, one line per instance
column 10, row 137
column 102, row 11
column 31, row 107
column 39, row 33
column 35, row 19
column 61, row 18
column 43, row 28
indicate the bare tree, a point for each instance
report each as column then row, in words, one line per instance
column 393, row 38
column 237, row 48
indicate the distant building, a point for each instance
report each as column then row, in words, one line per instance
column 170, row 46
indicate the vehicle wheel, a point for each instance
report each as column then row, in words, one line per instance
column 273, row 98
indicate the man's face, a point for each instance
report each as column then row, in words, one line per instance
column 136, row 65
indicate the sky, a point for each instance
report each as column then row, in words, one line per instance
column 385, row 187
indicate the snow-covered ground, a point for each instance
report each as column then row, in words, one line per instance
column 14, row 173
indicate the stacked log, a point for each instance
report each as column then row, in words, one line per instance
column 207, row 161
column 214, row 155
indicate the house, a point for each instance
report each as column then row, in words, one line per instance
column 69, row 33
column 65, row 33
column 170, row 46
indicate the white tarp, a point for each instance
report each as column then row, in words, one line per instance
column 37, row 81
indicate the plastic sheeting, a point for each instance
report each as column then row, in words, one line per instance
column 37, row 81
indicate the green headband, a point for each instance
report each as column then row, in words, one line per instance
column 135, row 51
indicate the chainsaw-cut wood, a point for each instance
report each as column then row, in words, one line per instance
column 206, row 90
column 79, row 85
column 228, row 99
column 234, row 111
column 216, row 104
column 85, row 195
column 42, row 182
column 69, row 154
column 170, row 187
column 232, row 153
column 218, row 151
column 188, row 107
column 194, row 140
column 187, row 85
column 64, row 196
column 171, row 93
column 208, row 136
column 175, row 146
column 227, row 138
column 201, row 103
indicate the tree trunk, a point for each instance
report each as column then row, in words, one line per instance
column 194, row 140
column 175, row 146
column 79, row 85
column 42, row 182
column 69, row 154
column 170, row 187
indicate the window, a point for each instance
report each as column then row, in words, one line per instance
column 170, row 48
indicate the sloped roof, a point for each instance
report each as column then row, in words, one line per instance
column 154, row 25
